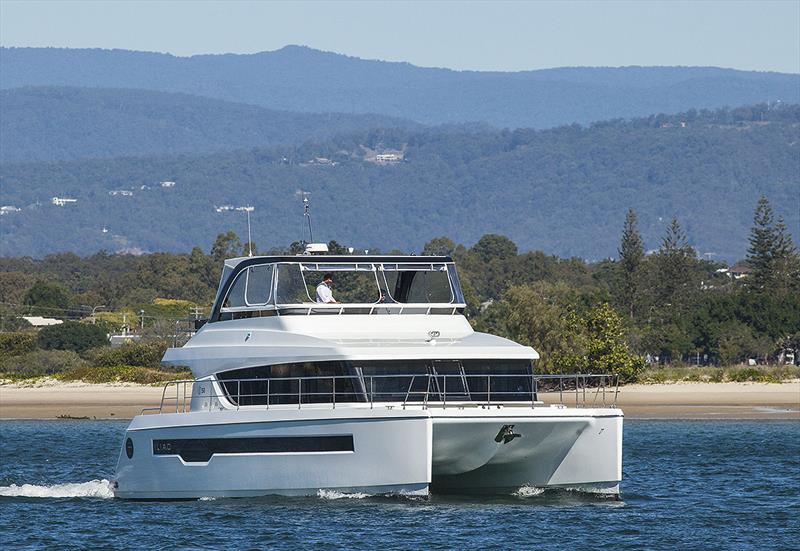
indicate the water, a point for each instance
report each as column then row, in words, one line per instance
column 701, row 485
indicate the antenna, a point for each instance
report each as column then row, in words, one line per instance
column 249, row 236
column 248, row 209
column 307, row 215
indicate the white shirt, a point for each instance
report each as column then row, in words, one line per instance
column 324, row 293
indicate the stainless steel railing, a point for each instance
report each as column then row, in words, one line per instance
column 426, row 390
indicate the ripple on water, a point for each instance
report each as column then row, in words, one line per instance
column 685, row 485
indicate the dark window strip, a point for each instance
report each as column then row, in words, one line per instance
column 201, row 449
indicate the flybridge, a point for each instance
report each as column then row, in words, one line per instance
column 287, row 285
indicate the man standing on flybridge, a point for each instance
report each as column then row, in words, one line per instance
column 324, row 293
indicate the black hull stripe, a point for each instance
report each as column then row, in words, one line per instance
column 200, row 450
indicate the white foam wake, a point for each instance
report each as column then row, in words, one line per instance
column 528, row 491
column 334, row 494
column 94, row 488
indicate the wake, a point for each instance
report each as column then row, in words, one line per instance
column 333, row 494
column 94, row 488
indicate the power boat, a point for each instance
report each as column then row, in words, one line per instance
column 387, row 390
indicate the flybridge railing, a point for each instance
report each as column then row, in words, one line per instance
column 306, row 309
column 426, row 390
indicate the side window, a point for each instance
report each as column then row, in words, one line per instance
column 419, row 286
column 430, row 287
column 291, row 285
column 348, row 286
column 235, row 296
column 259, row 285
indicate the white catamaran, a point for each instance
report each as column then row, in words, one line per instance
column 389, row 392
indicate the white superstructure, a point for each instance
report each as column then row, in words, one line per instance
column 387, row 390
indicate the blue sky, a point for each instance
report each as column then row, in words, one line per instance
column 506, row 36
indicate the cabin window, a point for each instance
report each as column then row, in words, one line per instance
column 259, row 285
column 360, row 287
column 252, row 287
column 380, row 381
column 235, row 298
column 281, row 384
column 291, row 287
column 414, row 285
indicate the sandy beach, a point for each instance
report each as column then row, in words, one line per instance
column 660, row 401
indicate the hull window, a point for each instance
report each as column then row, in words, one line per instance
column 200, row 450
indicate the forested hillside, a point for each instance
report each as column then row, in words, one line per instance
column 60, row 123
column 301, row 79
column 564, row 190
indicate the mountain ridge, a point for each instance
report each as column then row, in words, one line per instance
column 307, row 80
column 49, row 123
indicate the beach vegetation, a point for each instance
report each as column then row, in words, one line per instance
column 40, row 363
column 72, row 335
column 16, row 343
column 719, row 374
column 138, row 354
column 122, row 374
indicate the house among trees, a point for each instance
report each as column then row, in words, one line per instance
column 738, row 272
column 122, row 338
column 389, row 158
column 323, row 161
column 62, row 201
column 39, row 321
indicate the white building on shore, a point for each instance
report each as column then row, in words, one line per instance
column 62, row 201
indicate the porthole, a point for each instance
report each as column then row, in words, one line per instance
column 129, row 448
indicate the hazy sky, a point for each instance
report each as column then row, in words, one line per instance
column 507, row 36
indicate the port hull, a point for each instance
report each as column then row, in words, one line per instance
column 382, row 449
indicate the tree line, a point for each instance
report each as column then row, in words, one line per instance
column 668, row 306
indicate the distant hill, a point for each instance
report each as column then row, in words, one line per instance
column 564, row 190
column 63, row 123
column 301, row 79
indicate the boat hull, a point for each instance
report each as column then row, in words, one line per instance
column 378, row 450
column 573, row 451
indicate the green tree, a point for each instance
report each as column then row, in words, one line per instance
column 439, row 246
column 674, row 263
column 541, row 315
column 16, row 343
column 335, row 248
column 631, row 255
column 772, row 255
column 47, row 299
column 227, row 245
column 72, row 335
column 607, row 349
column 492, row 246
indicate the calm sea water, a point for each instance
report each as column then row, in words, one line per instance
column 701, row 485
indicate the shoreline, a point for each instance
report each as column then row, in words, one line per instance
column 51, row 400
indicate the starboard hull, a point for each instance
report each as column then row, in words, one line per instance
column 376, row 451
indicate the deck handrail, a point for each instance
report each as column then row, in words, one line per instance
column 426, row 390
column 367, row 308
